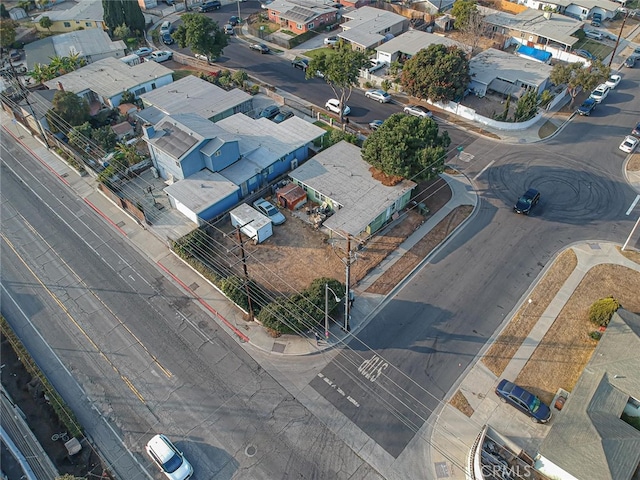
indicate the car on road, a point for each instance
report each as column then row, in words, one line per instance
column 233, row 21
column 636, row 51
column 587, row 106
column 259, row 47
column 417, row 111
column 203, row 57
column 168, row 458
column 269, row 112
column 630, row 62
column 301, row 63
column 282, row 116
column 629, row 144
column 228, row 29
column 333, row 105
column 331, row 40
column 159, row 56
column 636, row 131
column 527, row 201
column 143, row 52
column 613, row 81
column 375, row 124
column 166, row 38
column 600, row 93
column 268, row 210
column 378, row 95
column 523, row 400
column 209, row 6
column 593, row 35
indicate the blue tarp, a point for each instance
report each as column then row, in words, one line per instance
column 534, row 53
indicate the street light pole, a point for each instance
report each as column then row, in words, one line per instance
column 326, row 308
column 239, row 17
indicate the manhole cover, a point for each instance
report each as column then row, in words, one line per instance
column 278, row 347
column 250, row 451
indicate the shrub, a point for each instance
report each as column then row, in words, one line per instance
column 602, row 310
column 596, row 335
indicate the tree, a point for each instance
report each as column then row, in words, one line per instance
column 123, row 31
column 463, row 11
column 45, row 22
column 527, row 106
column 133, row 16
column 80, row 136
column 469, row 22
column 576, row 76
column 113, row 14
column 408, row 147
column 129, row 153
column 70, row 108
column 436, row 73
column 340, row 68
column 4, row 13
column 105, row 137
column 7, row 33
column 201, row 34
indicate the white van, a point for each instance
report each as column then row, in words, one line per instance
column 165, row 27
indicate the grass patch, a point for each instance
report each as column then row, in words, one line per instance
column 315, row 52
column 597, row 49
column 508, row 342
column 460, row 402
column 180, row 74
column 547, row 129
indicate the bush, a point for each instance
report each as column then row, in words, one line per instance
column 596, row 335
column 601, row 311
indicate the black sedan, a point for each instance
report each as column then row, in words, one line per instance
column 588, row 105
column 259, row 47
column 524, row 401
column 282, row 116
column 527, row 201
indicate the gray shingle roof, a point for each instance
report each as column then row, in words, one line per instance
column 588, row 439
column 412, row 41
column 495, row 64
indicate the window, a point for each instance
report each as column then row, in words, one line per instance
column 153, row 86
column 311, row 25
column 139, row 92
column 67, row 24
column 217, row 153
column 87, row 24
column 299, row 26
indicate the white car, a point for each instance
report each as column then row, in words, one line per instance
column 333, row 105
column 613, row 81
column 168, row 458
column 159, row 56
column 600, row 93
column 378, row 95
column 629, row 144
column 331, row 40
column 417, row 111
column 593, row 34
column 268, row 210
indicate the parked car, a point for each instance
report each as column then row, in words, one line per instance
column 331, row 40
column 301, row 63
column 159, row 56
column 168, row 458
column 333, row 105
column 378, row 95
column 259, row 47
column 527, row 201
column 417, row 111
column 593, row 35
column 15, row 55
column 629, row 144
column 269, row 112
column 166, row 38
column 209, row 6
column 265, row 5
column 600, row 93
column 268, row 210
column 523, row 400
column 376, row 65
column 636, row 131
column 584, row 54
column 203, row 57
column 375, row 124
column 596, row 23
column 587, row 106
column 233, row 21
column 143, row 52
column 613, row 81
column 630, row 62
column 228, row 29
column 166, row 27
column 282, row 116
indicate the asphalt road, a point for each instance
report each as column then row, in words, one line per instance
column 133, row 356
column 411, row 354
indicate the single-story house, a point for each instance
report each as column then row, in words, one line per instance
column 83, row 15
column 341, row 179
column 505, row 73
column 434, row 6
column 368, row 27
column 579, row 9
column 411, row 42
column 92, row 45
column 242, row 154
column 193, row 95
column 536, row 28
column 592, row 437
column 302, row 15
column 103, row 82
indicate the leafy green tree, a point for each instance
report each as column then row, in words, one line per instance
column 133, row 16
column 463, row 12
column 80, row 136
column 45, row 22
column 602, row 310
column 105, row 137
column 436, row 73
column 239, row 77
column 4, row 13
column 123, row 31
column 113, row 14
column 201, row 34
column 527, row 106
column 341, row 69
column 7, row 33
column 576, row 76
column 408, row 147
column 130, row 153
column 70, row 107
column 336, row 136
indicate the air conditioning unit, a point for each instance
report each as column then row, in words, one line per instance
column 294, row 164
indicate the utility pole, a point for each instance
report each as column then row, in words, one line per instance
column 624, row 20
column 246, row 272
column 347, row 303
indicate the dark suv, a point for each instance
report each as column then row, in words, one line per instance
column 209, row 6
column 527, row 201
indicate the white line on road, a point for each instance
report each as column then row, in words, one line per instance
column 633, row 205
column 482, row 171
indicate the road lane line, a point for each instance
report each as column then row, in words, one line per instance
column 483, row 170
column 633, row 205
